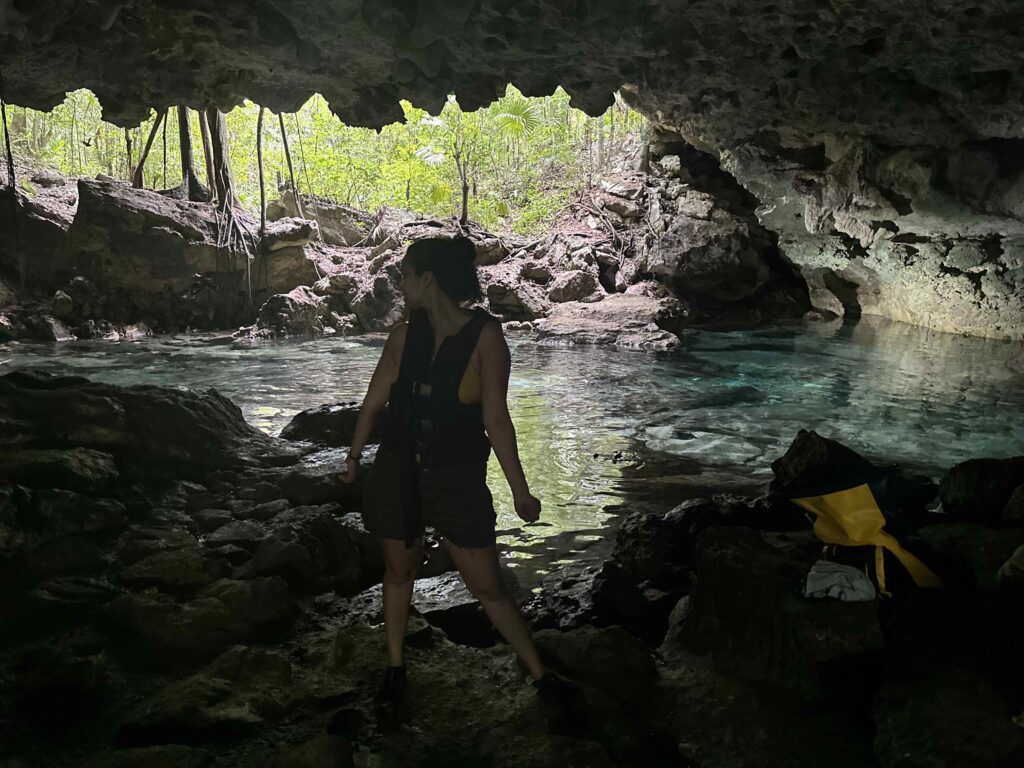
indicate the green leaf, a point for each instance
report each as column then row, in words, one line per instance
column 430, row 156
column 517, row 116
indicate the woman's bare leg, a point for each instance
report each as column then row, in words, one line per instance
column 479, row 569
column 400, row 568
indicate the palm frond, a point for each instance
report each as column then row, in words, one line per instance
column 517, row 116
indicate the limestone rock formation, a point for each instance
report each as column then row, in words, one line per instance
column 880, row 140
column 340, row 225
column 625, row 321
column 300, row 312
column 153, row 256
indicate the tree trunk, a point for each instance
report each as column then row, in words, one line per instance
column 128, row 152
column 259, row 166
column 167, row 119
column 464, row 216
column 193, row 188
column 223, row 181
column 137, row 176
column 291, row 170
column 204, row 131
column 263, row 206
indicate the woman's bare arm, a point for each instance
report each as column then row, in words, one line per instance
column 378, row 391
column 495, row 366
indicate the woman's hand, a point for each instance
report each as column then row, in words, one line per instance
column 527, row 506
column 351, row 467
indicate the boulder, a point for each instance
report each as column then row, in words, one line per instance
column 574, row 285
column 627, row 188
column 31, row 516
column 635, row 322
column 299, row 312
column 143, row 249
column 979, row 490
column 662, row 548
column 74, row 469
column 536, row 271
column 177, row 430
column 290, row 232
column 331, row 425
column 232, row 697
column 516, row 300
column 378, row 304
column 174, row 569
column 489, row 249
column 709, row 252
column 164, row 633
column 43, row 221
column 813, row 462
column 588, row 653
column 30, row 323
column 140, row 542
column 315, row 550
column 284, row 269
column 749, row 612
column 966, row 555
column 339, row 225
column 600, row 595
column 61, row 305
column 241, row 533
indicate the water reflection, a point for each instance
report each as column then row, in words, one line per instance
column 711, row 415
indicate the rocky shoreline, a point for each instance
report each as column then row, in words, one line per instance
column 635, row 259
column 181, row 589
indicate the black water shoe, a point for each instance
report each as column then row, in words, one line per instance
column 392, row 688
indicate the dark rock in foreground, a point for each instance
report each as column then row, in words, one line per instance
column 179, row 430
column 980, row 490
column 331, row 425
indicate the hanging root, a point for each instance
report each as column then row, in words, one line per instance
column 233, row 238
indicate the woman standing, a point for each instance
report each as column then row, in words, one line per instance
column 443, row 378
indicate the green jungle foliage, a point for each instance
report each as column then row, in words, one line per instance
column 521, row 159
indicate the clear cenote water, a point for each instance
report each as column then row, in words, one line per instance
column 715, row 412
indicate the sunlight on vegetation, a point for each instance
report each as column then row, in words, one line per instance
column 520, row 159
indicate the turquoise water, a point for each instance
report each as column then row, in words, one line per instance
column 721, row 407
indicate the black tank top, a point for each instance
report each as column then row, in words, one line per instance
column 426, row 425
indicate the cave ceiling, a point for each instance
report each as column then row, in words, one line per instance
column 718, row 72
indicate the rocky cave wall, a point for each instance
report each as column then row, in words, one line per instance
column 882, row 141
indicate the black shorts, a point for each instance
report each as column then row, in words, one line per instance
column 455, row 499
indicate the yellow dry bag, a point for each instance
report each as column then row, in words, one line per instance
column 852, row 518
